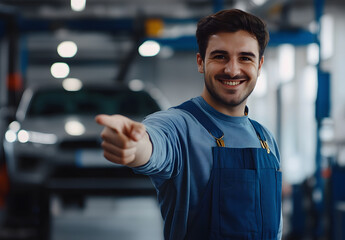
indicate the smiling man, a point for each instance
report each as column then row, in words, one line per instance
column 231, row 66
column 216, row 171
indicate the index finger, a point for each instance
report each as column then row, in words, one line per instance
column 114, row 122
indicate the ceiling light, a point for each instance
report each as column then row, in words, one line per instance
column 136, row 85
column 67, row 49
column 59, row 70
column 149, row 48
column 72, row 84
column 259, row 2
column 78, row 5
column 74, row 128
column 241, row 5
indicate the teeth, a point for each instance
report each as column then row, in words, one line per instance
column 232, row 83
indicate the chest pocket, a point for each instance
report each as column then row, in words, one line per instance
column 237, row 201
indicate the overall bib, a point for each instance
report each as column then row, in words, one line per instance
column 243, row 197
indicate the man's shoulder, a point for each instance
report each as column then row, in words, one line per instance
column 172, row 117
column 172, row 113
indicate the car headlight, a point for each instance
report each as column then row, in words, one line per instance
column 11, row 136
column 14, row 134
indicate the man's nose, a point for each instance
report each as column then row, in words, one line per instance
column 232, row 68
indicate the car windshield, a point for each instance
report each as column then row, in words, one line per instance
column 86, row 101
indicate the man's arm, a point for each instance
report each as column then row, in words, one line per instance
column 125, row 141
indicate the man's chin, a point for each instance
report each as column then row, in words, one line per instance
column 232, row 102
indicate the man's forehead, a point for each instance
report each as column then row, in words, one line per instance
column 240, row 41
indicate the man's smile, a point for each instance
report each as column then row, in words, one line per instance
column 235, row 81
column 231, row 83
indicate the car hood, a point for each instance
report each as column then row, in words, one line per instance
column 63, row 126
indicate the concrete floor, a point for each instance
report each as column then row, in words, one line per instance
column 125, row 218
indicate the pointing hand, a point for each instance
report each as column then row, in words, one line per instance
column 124, row 140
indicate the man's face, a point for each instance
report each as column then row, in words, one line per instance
column 230, row 68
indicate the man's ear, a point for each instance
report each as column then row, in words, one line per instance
column 261, row 62
column 200, row 63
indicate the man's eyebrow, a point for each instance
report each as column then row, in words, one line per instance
column 218, row 52
column 250, row 54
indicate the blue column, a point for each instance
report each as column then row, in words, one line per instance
column 322, row 110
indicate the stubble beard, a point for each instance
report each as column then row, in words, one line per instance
column 222, row 100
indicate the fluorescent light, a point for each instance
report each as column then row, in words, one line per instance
column 261, row 84
column 313, row 54
column 326, row 36
column 149, row 48
column 67, row 49
column 310, row 82
column 286, row 62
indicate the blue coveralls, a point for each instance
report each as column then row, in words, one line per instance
column 243, row 196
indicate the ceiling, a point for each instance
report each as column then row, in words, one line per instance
column 276, row 13
column 104, row 48
column 129, row 8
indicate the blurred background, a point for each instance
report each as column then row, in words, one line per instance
column 64, row 61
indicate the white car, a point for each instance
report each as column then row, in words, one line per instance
column 54, row 146
column 55, row 132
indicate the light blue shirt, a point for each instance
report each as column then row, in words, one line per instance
column 181, row 160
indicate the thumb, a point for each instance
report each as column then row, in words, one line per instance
column 138, row 131
column 122, row 125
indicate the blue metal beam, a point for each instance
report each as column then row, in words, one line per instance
column 218, row 5
column 296, row 38
column 184, row 43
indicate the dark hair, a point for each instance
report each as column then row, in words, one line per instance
column 231, row 20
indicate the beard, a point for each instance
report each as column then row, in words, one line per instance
column 229, row 98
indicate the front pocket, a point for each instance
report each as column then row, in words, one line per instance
column 270, row 198
column 237, row 201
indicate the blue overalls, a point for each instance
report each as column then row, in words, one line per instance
column 243, row 196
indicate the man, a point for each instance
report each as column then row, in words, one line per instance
column 215, row 170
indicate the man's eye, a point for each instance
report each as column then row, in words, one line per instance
column 245, row 59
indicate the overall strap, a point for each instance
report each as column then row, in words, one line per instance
column 260, row 133
column 204, row 120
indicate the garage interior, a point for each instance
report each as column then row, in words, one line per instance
column 150, row 45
